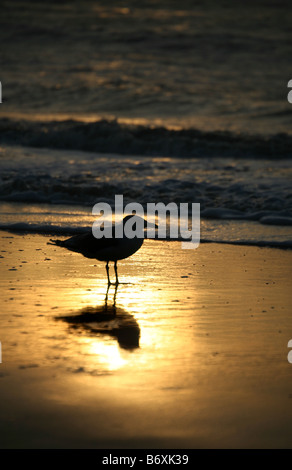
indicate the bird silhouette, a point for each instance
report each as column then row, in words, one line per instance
column 107, row 249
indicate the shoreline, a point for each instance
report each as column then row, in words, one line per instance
column 21, row 229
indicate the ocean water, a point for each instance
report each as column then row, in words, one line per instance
column 54, row 191
column 210, row 65
column 158, row 101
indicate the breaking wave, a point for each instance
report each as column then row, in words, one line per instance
column 110, row 136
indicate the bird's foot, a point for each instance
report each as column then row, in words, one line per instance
column 118, row 283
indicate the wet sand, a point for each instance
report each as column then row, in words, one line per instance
column 190, row 352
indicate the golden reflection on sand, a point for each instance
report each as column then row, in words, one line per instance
column 191, row 342
column 106, row 329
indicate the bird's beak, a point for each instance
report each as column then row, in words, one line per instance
column 149, row 225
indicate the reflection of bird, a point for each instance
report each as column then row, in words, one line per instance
column 107, row 249
column 109, row 320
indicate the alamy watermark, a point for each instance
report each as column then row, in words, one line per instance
column 172, row 221
column 290, row 352
column 289, row 96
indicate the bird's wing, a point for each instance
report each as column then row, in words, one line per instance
column 87, row 244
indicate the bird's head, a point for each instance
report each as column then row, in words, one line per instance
column 135, row 223
column 137, row 219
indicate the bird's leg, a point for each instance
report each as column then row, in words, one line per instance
column 107, row 271
column 115, row 297
column 106, row 297
column 116, row 272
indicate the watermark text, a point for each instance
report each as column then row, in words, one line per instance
column 171, row 221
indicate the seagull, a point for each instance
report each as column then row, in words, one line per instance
column 106, row 249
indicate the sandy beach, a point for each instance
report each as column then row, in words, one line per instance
column 189, row 352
